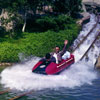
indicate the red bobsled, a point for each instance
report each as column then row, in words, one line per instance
column 53, row 68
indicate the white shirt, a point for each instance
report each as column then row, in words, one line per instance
column 55, row 55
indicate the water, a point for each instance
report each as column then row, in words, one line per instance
column 80, row 82
column 85, row 29
column 22, row 74
column 84, row 47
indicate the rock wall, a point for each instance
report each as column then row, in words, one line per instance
column 98, row 63
column 92, row 1
column 5, row 16
column 85, row 19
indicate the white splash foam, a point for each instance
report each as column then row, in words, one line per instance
column 84, row 47
column 85, row 29
column 21, row 77
column 93, row 54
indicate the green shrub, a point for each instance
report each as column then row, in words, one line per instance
column 2, row 32
column 8, row 52
column 63, row 21
column 36, row 44
column 53, row 23
column 47, row 23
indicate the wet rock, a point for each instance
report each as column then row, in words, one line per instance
column 85, row 19
column 92, row 2
column 98, row 63
column 6, row 64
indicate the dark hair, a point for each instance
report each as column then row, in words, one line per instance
column 57, row 46
column 47, row 56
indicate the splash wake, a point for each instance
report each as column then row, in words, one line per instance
column 20, row 77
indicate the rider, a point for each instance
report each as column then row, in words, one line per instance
column 58, row 54
column 48, row 59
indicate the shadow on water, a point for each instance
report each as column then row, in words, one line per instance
column 2, row 68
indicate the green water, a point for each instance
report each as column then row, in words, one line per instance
column 1, row 68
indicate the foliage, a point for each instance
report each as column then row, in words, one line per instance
column 49, row 22
column 11, row 23
column 35, row 44
column 9, row 52
column 46, row 23
column 70, row 7
column 19, row 11
column 2, row 32
column 59, row 27
column 13, row 9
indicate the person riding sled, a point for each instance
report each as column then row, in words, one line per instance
column 59, row 55
column 48, row 59
column 55, row 62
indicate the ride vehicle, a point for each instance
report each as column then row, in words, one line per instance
column 53, row 68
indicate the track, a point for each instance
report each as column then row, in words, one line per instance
column 95, row 29
column 78, row 45
column 90, row 46
column 87, row 42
